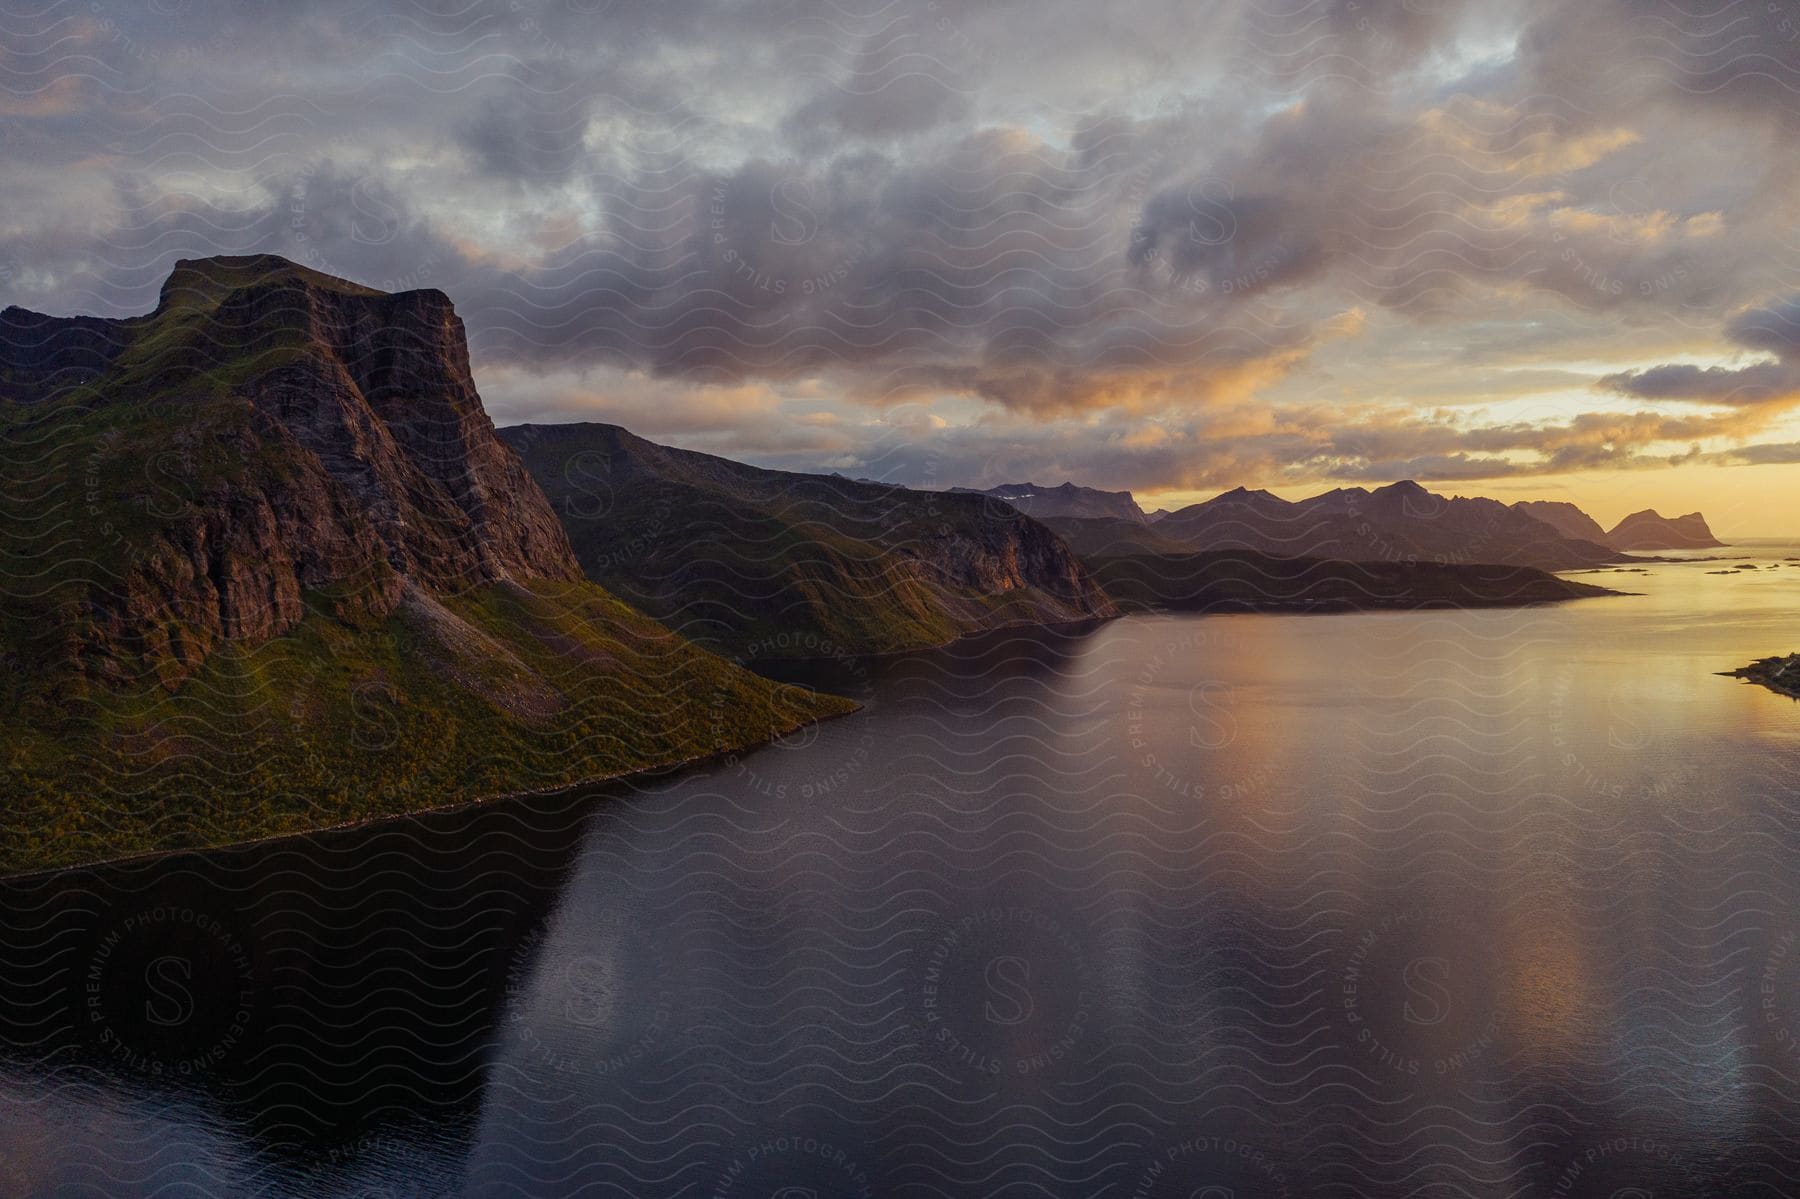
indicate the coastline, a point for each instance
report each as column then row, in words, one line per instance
column 480, row 801
column 1780, row 674
column 1227, row 608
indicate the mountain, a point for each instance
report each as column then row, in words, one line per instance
column 1649, row 530
column 1646, row 530
column 1566, row 519
column 1096, row 537
column 1244, row 580
column 1400, row 522
column 1068, row 500
column 1157, row 515
column 770, row 564
column 265, row 566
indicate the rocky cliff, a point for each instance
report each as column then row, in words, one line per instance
column 264, row 565
column 777, row 564
column 267, row 432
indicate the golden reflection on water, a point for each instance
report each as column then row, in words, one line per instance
column 1548, row 1001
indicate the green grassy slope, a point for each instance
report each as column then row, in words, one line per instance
column 501, row 690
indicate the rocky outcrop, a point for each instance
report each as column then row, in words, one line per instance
column 268, row 439
column 777, row 564
column 1781, row 674
column 384, row 399
column 1650, row 530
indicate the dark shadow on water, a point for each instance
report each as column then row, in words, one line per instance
column 315, row 989
column 973, row 664
column 311, row 989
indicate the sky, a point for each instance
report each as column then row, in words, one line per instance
column 1522, row 248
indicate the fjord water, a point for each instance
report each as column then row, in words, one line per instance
column 1496, row 903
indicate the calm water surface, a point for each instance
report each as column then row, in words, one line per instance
column 1439, row 904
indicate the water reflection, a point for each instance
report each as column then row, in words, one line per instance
column 1489, row 904
column 293, row 1005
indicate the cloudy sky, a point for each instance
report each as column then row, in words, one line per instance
column 1544, row 248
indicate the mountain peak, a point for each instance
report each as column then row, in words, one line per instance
column 1565, row 519
column 329, row 437
column 1650, row 530
column 204, row 282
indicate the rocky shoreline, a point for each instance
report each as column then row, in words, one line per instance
column 1780, row 674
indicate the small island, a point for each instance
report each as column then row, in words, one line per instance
column 1780, row 674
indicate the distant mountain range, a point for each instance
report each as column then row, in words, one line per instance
column 1402, row 521
column 1398, row 523
column 771, row 564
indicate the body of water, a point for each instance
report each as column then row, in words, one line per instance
column 1500, row 903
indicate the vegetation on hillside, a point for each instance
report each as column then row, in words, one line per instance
column 778, row 564
column 227, row 616
column 500, row 690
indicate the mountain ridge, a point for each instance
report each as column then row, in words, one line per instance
column 1565, row 518
column 1064, row 500
column 1399, row 522
column 737, row 556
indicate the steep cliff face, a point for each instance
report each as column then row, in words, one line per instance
column 776, row 564
column 265, row 566
column 383, row 397
column 265, row 435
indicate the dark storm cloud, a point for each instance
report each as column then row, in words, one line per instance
column 1773, row 329
column 1602, row 58
column 348, row 223
column 893, row 85
column 527, row 132
column 1712, row 385
column 1363, row 42
column 1054, row 209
